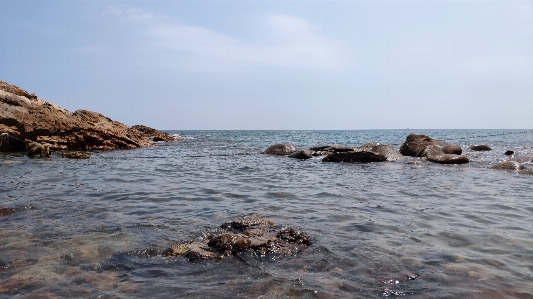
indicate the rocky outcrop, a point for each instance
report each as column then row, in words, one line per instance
column 281, row 149
column 436, row 154
column 25, row 118
column 247, row 235
column 480, row 147
column 415, row 144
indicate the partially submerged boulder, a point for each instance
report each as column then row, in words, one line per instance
column 303, row 155
column 37, row 149
column 415, row 144
column 281, row 149
column 480, row 147
column 368, row 152
column 390, row 153
column 436, row 154
column 247, row 235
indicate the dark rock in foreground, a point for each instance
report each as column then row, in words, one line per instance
column 282, row 149
column 248, row 234
column 25, row 118
column 480, row 147
column 415, row 144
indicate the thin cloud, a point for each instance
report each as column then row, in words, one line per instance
column 292, row 42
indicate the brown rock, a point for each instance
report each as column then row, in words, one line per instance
column 76, row 155
column 37, row 149
column 6, row 211
column 26, row 119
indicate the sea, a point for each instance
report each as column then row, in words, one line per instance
column 412, row 229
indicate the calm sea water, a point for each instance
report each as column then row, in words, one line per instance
column 84, row 229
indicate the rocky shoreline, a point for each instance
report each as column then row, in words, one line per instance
column 25, row 118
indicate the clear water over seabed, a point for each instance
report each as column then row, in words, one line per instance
column 83, row 228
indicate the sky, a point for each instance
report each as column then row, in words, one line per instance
column 277, row 65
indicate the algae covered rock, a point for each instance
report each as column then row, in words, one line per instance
column 246, row 235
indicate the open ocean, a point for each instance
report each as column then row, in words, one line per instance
column 89, row 228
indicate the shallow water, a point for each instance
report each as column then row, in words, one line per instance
column 90, row 228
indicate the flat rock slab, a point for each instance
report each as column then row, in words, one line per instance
column 248, row 234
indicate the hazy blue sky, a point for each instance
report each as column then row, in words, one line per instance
column 277, row 64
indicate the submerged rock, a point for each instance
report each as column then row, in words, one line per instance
column 509, row 153
column 6, row 211
column 480, row 147
column 75, row 155
column 508, row 165
column 248, row 234
column 282, row 149
column 415, row 144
